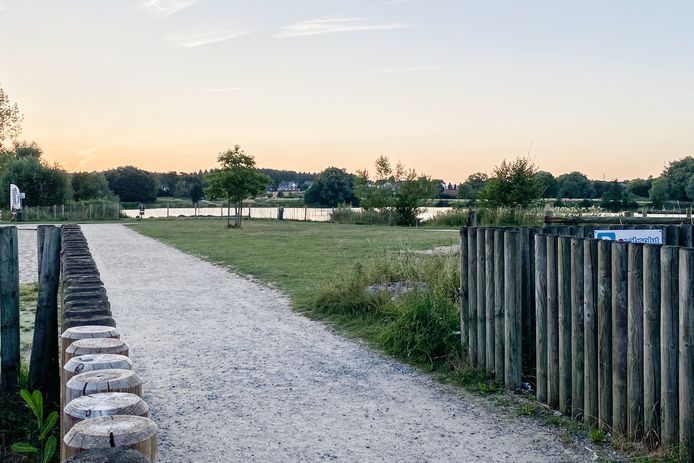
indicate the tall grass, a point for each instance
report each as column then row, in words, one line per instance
column 501, row 216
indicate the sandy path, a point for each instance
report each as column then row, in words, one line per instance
column 232, row 374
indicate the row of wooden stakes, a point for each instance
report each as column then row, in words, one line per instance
column 103, row 415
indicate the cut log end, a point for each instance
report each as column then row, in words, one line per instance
column 135, row 432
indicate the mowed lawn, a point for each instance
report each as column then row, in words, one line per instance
column 297, row 257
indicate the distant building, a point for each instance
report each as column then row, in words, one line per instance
column 287, row 186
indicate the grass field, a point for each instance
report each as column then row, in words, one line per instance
column 297, row 257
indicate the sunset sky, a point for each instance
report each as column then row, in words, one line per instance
column 449, row 87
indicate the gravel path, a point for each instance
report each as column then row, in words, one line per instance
column 231, row 373
column 26, row 244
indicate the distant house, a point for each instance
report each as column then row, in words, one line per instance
column 287, row 186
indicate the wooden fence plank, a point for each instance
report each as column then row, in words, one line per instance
column 577, row 335
column 512, row 310
column 472, row 287
column 619, row 336
column 481, row 298
column 669, row 329
column 590, row 331
column 564, row 302
column 651, row 344
column 499, row 305
column 635, row 342
column 541, row 316
column 464, row 290
column 604, row 301
column 489, row 299
column 686, row 351
column 552, row 324
column 9, row 309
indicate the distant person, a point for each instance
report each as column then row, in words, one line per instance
column 142, row 211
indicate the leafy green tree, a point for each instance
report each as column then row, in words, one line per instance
column 167, row 183
column 90, row 185
column 640, row 187
column 196, row 192
column 659, row 192
column 513, row 184
column 237, row 179
column 44, row 185
column 690, row 187
column 575, row 185
column 616, row 198
column 410, row 193
column 470, row 189
column 549, row 184
column 331, row 188
column 679, row 174
column 10, row 119
column 131, row 184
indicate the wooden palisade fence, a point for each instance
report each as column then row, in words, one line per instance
column 602, row 330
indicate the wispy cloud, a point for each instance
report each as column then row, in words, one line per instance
column 405, row 69
column 87, row 155
column 164, row 8
column 205, row 38
column 333, row 25
column 223, row 90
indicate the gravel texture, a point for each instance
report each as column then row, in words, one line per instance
column 26, row 244
column 231, row 374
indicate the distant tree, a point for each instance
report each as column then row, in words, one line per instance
column 574, row 185
column 690, row 187
column 24, row 150
column 44, row 185
column 196, row 192
column 331, row 188
column 300, row 178
column 659, row 192
column 640, row 187
column 236, row 179
column 10, row 119
column 90, row 185
column 549, row 184
column 167, row 182
column 679, row 174
column 131, row 184
column 470, row 189
column 616, row 198
column 513, row 184
column 411, row 191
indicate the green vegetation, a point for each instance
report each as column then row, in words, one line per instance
column 42, row 442
column 597, row 435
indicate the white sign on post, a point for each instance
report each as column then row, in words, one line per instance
column 15, row 198
column 630, row 236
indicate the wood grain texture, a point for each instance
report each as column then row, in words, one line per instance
column 135, row 432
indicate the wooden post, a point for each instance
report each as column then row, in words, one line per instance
column 472, row 286
column 9, row 309
column 635, row 342
column 564, row 302
column 685, row 236
column 93, row 382
column 604, row 306
column 541, row 316
column 512, row 310
column 552, row 324
column 651, row 344
column 40, row 234
column 619, row 336
column 108, row 455
column 481, row 298
column 89, row 346
column 577, row 334
column 527, row 296
column 44, row 368
column 686, row 348
column 669, row 344
column 464, row 291
column 472, row 218
column 499, row 291
column 489, row 299
column 103, row 404
column 135, row 432
column 590, row 331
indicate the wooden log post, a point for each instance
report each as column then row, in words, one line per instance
column 481, row 298
column 669, row 344
column 9, row 309
column 499, row 292
column 527, row 302
column 590, row 331
column 552, row 324
column 564, row 303
column 44, row 368
column 135, row 432
column 94, row 382
column 108, row 455
column 635, row 342
column 89, row 346
column 472, row 287
column 541, row 317
column 489, row 299
column 604, row 309
column 651, row 344
column 686, row 351
column 512, row 310
column 464, row 291
column 577, row 327
column 103, row 404
column 619, row 336
column 40, row 237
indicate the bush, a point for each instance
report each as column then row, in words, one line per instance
column 500, row 216
column 346, row 215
